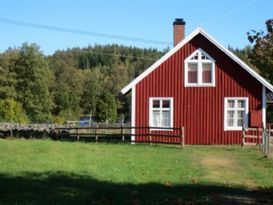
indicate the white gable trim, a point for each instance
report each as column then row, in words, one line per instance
column 239, row 61
column 180, row 45
column 159, row 62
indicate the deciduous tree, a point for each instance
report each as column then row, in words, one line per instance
column 262, row 52
column 33, row 82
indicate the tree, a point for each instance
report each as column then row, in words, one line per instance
column 91, row 91
column 7, row 74
column 262, row 51
column 68, row 86
column 33, row 82
column 117, row 78
column 107, row 108
column 12, row 111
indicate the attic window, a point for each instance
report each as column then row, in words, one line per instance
column 199, row 69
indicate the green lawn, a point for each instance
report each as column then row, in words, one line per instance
column 49, row 172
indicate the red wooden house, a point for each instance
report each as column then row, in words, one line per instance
column 201, row 86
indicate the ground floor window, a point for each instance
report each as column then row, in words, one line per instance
column 161, row 112
column 235, row 113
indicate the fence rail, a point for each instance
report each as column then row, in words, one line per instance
column 121, row 134
column 142, row 134
column 259, row 136
column 252, row 136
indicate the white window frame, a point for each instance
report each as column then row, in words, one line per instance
column 245, row 123
column 151, row 99
column 199, row 62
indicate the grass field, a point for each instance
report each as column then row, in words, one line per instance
column 48, row 172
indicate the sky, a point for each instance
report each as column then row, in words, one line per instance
column 61, row 24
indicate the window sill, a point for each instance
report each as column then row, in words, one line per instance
column 162, row 129
column 199, row 85
column 233, row 129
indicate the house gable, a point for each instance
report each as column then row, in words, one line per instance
column 196, row 32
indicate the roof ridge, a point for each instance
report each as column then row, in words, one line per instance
column 194, row 33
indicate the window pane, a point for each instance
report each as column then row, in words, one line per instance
column 230, row 118
column 156, row 103
column 240, row 120
column 195, row 57
column 166, row 119
column 192, row 73
column 206, row 72
column 166, row 104
column 156, row 118
column 203, row 57
column 231, row 104
column 241, row 104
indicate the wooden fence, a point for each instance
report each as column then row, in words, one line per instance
column 252, row 136
column 94, row 133
column 267, row 146
column 119, row 134
column 261, row 137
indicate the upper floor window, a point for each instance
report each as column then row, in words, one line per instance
column 199, row 69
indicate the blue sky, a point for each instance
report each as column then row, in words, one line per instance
column 226, row 20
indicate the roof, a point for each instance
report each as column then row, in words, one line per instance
column 269, row 97
column 185, row 41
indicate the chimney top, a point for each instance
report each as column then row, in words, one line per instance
column 178, row 30
column 179, row 21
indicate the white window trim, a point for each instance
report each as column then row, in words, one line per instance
column 199, row 72
column 226, row 127
column 151, row 99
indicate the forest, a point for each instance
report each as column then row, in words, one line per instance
column 36, row 88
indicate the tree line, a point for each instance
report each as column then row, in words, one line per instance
column 69, row 83
column 83, row 81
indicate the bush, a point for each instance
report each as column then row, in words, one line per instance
column 12, row 111
column 58, row 120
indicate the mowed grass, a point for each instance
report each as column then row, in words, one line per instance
column 50, row 172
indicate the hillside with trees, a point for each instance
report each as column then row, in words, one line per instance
column 70, row 83
column 83, row 81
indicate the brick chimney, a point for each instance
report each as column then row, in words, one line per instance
column 178, row 31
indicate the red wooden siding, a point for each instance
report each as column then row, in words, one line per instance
column 200, row 110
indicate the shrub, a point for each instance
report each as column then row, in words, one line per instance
column 12, row 111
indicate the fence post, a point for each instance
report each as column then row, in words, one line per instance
column 267, row 132
column 258, row 139
column 96, row 135
column 77, row 131
column 263, row 139
column 268, row 143
column 243, row 138
column 122, row 132
column 150, row 136
column 11, row 130
column 182, row 137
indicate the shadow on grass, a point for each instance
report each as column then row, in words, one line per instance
column 60, row 188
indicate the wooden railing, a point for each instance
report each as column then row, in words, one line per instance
column 121, row 134
column 259, row 136
column 251, row 136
